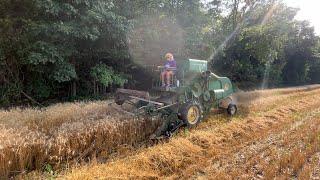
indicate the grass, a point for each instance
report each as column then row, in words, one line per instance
column 69, row 134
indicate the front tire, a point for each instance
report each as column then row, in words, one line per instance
column 191, row 114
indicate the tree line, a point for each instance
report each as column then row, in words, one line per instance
column 64, row 50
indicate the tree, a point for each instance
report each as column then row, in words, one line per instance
column 299, row 53
column 254, row 51
column 105, row 76
column 44, row 42
column 314, row 64
column 73, row 49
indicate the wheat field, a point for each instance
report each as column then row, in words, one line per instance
column 277, row 138
column 31, row 138
column 89, row 140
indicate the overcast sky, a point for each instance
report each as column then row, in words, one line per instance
column 309, row 10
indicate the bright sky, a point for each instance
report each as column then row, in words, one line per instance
column 309, row 10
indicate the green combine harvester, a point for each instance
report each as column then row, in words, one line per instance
column 195, row 91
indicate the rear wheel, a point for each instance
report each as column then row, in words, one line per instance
column 191, row 114
column 232, row 109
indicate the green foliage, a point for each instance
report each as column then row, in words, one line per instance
column 106, row 75
column 47, row 40
column 247, row 58
column 299, row 54
column 64, row 72
column 1, row 56
column 120, row 79
column 103, row 74
column 48, row 169
column 276, row 48
column 39, row 88
column 10, row 93
column 314, row 64
column 43, row 53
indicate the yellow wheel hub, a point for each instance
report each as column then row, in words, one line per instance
column 193, row 114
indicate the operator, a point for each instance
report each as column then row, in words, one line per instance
column 170, row 68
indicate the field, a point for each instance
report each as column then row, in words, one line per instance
column 275, row 134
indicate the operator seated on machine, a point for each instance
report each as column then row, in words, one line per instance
column 169, row 70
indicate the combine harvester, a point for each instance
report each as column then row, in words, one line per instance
column 194, row 92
